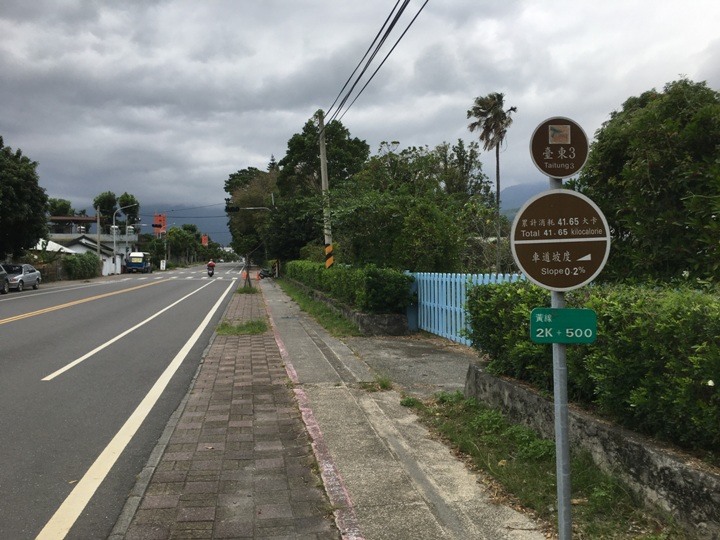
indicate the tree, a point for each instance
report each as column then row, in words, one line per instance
column 60, row 207
column 461, row 174
column 299, row 170
column 131, row 208
column 251, row 193
column 23, row 203
column 486, row 234
column 106, row 203
column 654, row 170
column 293, row 224
column 181, row 244
column 493, row 121
column 402, row 210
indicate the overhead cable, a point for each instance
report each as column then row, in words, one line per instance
column 385, row 30
column 384, row 59
column 363, row 58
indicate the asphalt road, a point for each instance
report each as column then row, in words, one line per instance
column 90, row 373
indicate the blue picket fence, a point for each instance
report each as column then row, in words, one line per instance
column 442, row 298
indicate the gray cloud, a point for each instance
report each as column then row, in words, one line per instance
column 165, row 99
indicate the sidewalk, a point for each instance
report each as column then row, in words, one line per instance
column 278, row 439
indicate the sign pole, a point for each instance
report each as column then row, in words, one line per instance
column 560, row 240
column 562, row 439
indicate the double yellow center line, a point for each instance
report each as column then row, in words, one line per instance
column 75, row 303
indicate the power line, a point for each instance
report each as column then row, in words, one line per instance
column 372, row 56
column 363, row 58
column 385, row 30
column 386, row 57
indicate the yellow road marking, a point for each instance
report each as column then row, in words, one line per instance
column 75, row 303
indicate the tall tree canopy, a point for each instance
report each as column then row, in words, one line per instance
column 23, row 203
column 402, row 210
column 299, row 170
column 654, row 170
column 106, row 204
column 130, row 206
column 492, row 120
column 251, row 191
column 60, row 207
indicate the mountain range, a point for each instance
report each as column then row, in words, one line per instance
column 213, row 221
column 513, row 197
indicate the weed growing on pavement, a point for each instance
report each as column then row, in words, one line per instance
column 381, row 383
column 337, row 325
column 409, row 401
column 524, row 465
column 226, row 328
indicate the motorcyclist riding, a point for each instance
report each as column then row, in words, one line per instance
column 211, row 268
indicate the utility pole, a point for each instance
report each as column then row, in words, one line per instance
column 97, row 215
column 329, row 259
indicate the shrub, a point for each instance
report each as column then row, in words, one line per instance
column 369, row 289
column 84, row 266
column 499, row 322
column 654, row 366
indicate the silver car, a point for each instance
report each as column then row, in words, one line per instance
column 4, row 281
column 21, row 276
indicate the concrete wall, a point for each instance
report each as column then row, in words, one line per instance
column 678, row 484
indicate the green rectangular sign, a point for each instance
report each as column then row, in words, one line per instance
column 562, row 325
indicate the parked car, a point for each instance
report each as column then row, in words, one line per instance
column 21, row 276
column 4, row 281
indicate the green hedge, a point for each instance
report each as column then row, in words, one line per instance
column 369, row 289
column 654, row 367
column 83, row 266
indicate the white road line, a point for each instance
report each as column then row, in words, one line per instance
column 116, row 338
column 71, row 508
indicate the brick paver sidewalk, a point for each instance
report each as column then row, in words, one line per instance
column 239, row 463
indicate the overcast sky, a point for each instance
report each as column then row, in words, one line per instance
column 165, row 99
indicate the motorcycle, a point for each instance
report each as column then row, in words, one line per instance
column 211, row 271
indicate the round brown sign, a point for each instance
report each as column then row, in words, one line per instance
column 559, row 147
column 560, row 239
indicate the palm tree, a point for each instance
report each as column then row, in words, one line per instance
column 492, row 120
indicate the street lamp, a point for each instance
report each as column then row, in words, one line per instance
column 114, row 231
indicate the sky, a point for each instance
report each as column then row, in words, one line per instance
column 164, row 99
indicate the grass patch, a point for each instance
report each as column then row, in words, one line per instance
column 247, row 290
column 225, row 328
column 409, row 401
column 337, row 325
column 524, row 465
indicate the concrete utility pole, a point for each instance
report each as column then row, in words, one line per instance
column 97, row 215
column 114, row 231
column 329, row 259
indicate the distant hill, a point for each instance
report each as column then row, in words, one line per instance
column 513, row 197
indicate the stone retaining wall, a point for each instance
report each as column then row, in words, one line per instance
column 688, row 490
column 370, row 324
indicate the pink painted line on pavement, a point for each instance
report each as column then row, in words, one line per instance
column 344, row 512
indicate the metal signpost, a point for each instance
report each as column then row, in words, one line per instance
column 560, row 240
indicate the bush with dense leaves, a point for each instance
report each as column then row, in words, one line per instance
column 83, row 266
column 369, row 289
column 653, row 368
